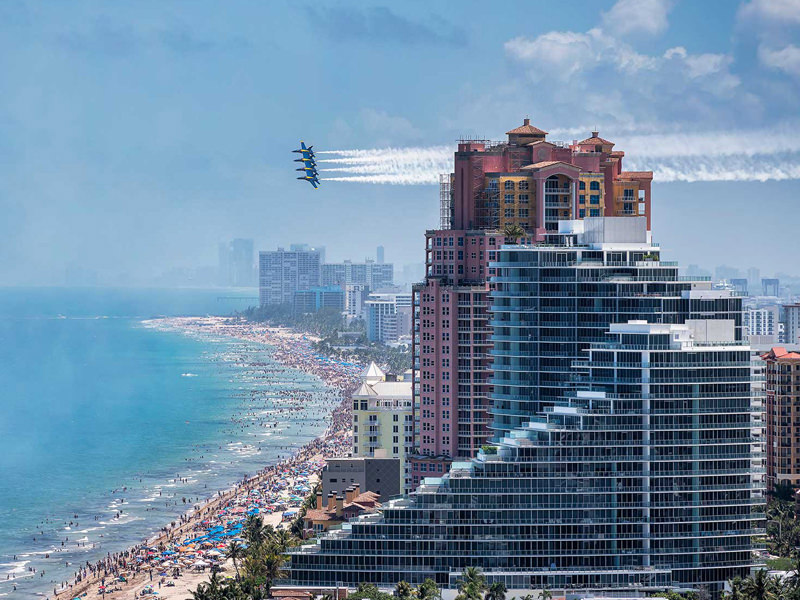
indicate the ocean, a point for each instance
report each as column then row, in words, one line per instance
column 110, row 428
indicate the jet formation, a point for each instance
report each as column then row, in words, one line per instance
column 311, row 175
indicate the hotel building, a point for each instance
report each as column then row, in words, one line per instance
column 281, row 273
column 382, row 419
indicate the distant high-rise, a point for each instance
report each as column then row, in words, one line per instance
column 388, row 317
column 791, row 323
column 374, row 275
column 236, row 268
column 281, row 273
column 379, row 255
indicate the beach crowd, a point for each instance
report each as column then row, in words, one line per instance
column 199, row 539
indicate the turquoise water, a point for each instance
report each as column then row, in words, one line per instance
column 107, row 425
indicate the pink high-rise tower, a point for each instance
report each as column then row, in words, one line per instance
column 527, row 181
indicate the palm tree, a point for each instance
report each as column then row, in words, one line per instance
column 253, row 529
column 527, row 597
column 513, row 232
column 758, row 586
column 497, row 591
column 545, row 594
column 235, row 552
column 736, row 593
column 427, row 590
column 471, row 585
column 283, row 540
column 403, row 591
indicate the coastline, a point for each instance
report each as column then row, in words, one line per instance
column 146, row 564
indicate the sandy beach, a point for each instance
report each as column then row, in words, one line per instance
column 173, row 563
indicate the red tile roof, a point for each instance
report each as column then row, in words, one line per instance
column 780, row 353
column 526, row 129
column 547, row 163
column 595, row 140
column 636, row 175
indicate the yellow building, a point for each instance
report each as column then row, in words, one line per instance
column 382, row 418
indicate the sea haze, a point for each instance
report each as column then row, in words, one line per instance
column 102, row 414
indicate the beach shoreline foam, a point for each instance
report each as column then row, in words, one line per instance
column 273, row 491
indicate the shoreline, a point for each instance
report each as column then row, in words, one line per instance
column 145, row 564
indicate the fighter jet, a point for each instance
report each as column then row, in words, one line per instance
column 306, row 152
column 312, row 179
column 310, row 170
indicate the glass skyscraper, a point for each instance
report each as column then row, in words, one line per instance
column 625, row 453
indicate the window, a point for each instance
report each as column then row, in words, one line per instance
column 582, row 213
column 523, row 198
column 508, row 185
column 582, row 185
column 508, row 213
column 594, row 199
column 594, row 185
column 523, row 185
column 582, row 198
column 595, row 212
column 523, row 213
column 508, row 198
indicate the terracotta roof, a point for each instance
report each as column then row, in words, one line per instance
column 636, row 175
column 617, row 153
column 289, row 593
column 547, row 163
column 320, row 514
column 537, row 142
column 780, row 353
column 595, row 140
column 526, row 129
column 366, row 501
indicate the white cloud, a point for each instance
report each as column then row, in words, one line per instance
column 563, row 54
column 786, row 59
column 780, row 12
column 644, row 17
column 560, row 53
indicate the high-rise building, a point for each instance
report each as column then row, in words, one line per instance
column 236, row 267
column 783, row 416
column 281, row 273
column 762, row 324
column 355, row 294
column 791, row 323
column 527, row 181
column 624, row 449
column 375, row 276
column 318, row 298
column 771, row 286
column 382, row 418
column 388, row 317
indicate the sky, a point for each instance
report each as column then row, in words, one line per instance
column 135, row 136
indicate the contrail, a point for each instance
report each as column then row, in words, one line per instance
column 747, row 155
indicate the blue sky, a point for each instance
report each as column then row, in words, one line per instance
column 136, row 135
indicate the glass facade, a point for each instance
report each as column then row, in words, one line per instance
column 623, row 453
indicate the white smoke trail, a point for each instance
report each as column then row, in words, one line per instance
column 754, row 155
